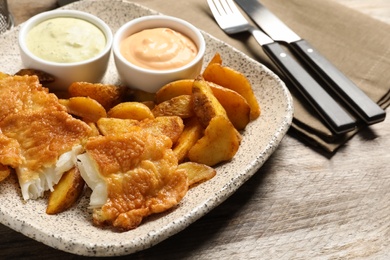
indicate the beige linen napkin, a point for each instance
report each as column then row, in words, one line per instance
column 355, row 43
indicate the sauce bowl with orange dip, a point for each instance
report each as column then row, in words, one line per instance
column 153, row 50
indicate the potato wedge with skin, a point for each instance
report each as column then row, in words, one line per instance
column 219, row 143
column 216, row 59
column 174, row 89
column 235, row 105
column 107, row 95
column 85, row 107
column 66, row 192
column 171, row 126
column 206, row 105
column 177, row 106
column 192, row 132
column 234, row 80
column 237, row 108
column 131, row 110
column 197, row 173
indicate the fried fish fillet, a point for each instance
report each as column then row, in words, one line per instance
column 132, row 176
column 171, row 126
column 9, row 155
column 46, row 139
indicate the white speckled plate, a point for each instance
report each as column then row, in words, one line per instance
column 72, row 231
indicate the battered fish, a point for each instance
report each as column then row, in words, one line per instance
column 46, row 139
column 132, row 176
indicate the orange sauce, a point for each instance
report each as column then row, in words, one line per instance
column 158, row 49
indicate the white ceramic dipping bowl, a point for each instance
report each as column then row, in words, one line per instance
column 89, row 70
column 151, row 80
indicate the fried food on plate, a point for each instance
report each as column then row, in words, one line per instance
column 86, row 108
column 132, row 176
column 66, row 192
column 192, row 132
column 50, row 143
column 205, row 104
column 197, row 173
column 130, row 110
column 174, row 89
column 221, row 139
column 44, row 78
column 107, row 95
column 171, row 126
column 9, row 155
column 232, row 79
column 177, row 106
column 219, row 143
column 235, row 105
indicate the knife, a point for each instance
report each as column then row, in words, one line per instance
column 366, row 109
column 331, row 112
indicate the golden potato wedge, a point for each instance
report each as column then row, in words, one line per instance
column 174, row 89
column 131, row 110
column 219, row 143
column 85, row 107
column 177, row 106
column 216, row 59
column 197, row 173
column 205, row 104
column 66, row 192
column 234, row 80
column 107, row 95
column 235, row 105
column 192, row 132
column 171, row 126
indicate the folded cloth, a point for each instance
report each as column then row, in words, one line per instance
column 356, row 44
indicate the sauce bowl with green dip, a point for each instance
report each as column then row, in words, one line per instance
column 69, row 45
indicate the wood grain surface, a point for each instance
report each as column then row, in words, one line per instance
column 299, row 205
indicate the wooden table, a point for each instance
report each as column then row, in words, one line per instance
column 300, row 204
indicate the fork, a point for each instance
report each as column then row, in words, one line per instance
column 231, row 21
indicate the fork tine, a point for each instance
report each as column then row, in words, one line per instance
column 233, row 8
column 225, row 7
column 215, row 10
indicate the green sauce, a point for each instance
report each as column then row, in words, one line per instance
column 65, row 40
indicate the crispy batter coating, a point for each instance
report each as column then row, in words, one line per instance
column 171, row 126
column 43, row 137
column 9, row 151
column 25, row 93
column 141, row 174
column 39, row 126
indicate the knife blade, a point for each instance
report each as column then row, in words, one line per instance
column 353, row 97
column 337, row 119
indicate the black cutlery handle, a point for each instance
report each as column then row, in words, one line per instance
column 333, row 114
column 352, row 95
